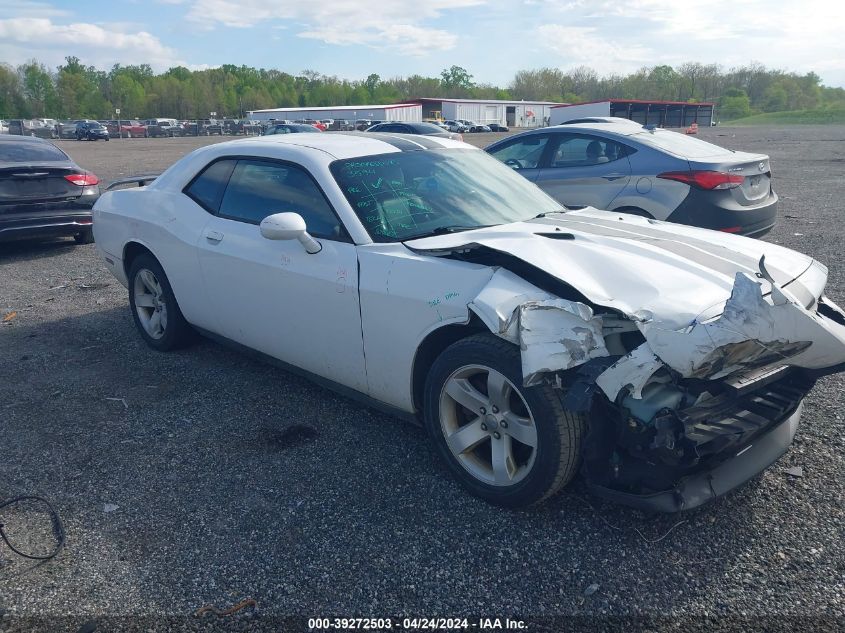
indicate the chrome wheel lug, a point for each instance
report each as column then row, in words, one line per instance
column 495, row 409
column 497, row 435
column 483, row 411
column 503, row 424
column 483, row 426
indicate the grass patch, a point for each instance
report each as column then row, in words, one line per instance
column 794, row 117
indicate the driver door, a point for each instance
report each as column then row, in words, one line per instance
column 524, row 155
column 273, row 296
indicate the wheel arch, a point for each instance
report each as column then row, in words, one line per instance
column 432, row 346
column 131, row 251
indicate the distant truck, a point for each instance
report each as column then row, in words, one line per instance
column 163, row 127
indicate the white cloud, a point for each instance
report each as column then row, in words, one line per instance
column 398, row 26
column 31, row 9
column 586, row 45
column 24, row 38
column 778, row 33
column 403, row 38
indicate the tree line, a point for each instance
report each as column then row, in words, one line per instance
column 74, row 90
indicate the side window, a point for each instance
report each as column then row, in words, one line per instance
column 207, row 188
column 585, row 151
column 524, row 153
column 260, row 188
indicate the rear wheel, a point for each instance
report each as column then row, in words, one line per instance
column 84, row 237
column 508, row 444
column 154, row 309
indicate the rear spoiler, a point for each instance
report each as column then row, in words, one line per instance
column 142, row 181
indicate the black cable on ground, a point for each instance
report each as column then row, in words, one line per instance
column 58, row 528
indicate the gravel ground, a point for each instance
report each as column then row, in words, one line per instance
column 182, row 479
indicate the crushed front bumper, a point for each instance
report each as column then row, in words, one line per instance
column 704, row 487
column 737, row 437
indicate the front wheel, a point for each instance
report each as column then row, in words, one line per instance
column 154, row 308
column 511, row 445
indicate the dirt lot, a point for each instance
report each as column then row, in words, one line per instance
column 180, row 482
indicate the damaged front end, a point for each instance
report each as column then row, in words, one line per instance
column 677, row 416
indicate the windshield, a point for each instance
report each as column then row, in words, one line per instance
column 404, row 195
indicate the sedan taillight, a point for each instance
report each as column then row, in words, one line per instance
column 704, row 179
column 82, row 180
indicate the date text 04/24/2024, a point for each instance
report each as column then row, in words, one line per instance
column 417, row 624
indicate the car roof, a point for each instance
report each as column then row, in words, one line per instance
column 9, row 138
column 353, row 144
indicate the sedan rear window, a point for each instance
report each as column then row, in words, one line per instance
column 680, row 144
column 27, row 151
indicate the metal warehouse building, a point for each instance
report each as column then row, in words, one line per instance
column 510, row 113
column 662, row 113
column 395, row 112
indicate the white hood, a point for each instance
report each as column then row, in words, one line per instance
column 634, row 264
column 697, row 296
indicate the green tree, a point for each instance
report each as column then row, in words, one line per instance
column 456, row 81
column 38, row 89
column 734, row 104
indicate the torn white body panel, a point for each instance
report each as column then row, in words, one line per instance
column 632, row 372
column 553, row 334
column 751, row 332
column 699, row 299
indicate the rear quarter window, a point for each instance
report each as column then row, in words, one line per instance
column 207, row 188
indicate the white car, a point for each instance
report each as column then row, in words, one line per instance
column 425, row 277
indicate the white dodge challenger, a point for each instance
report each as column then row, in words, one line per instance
column 666, row 363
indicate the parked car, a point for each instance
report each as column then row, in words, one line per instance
column 133, row 129
column 30, row 127
column 66, row 129
column 317, row 124
column 497, row 127
column 91, row 132
column 203, row 127
column 292, row 128
column 342, row 125
column 473, row 127
column 426, row 129
column 650, row 172
column 156, row 128
column 456, row 126
column 43, row 193
column 436, row 283
column 4, row 127
column 365, row 124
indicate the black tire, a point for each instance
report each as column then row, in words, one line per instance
column 559, row 432
column 84, row 237
column 177, row 333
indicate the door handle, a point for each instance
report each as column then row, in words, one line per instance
column 613, row 176
column 213, row 236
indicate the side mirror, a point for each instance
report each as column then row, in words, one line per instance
column 288, row 226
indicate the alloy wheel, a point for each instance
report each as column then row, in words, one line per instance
column 150, row 303
column 487, row 425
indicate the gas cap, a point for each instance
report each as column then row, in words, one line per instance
column 644, row 185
